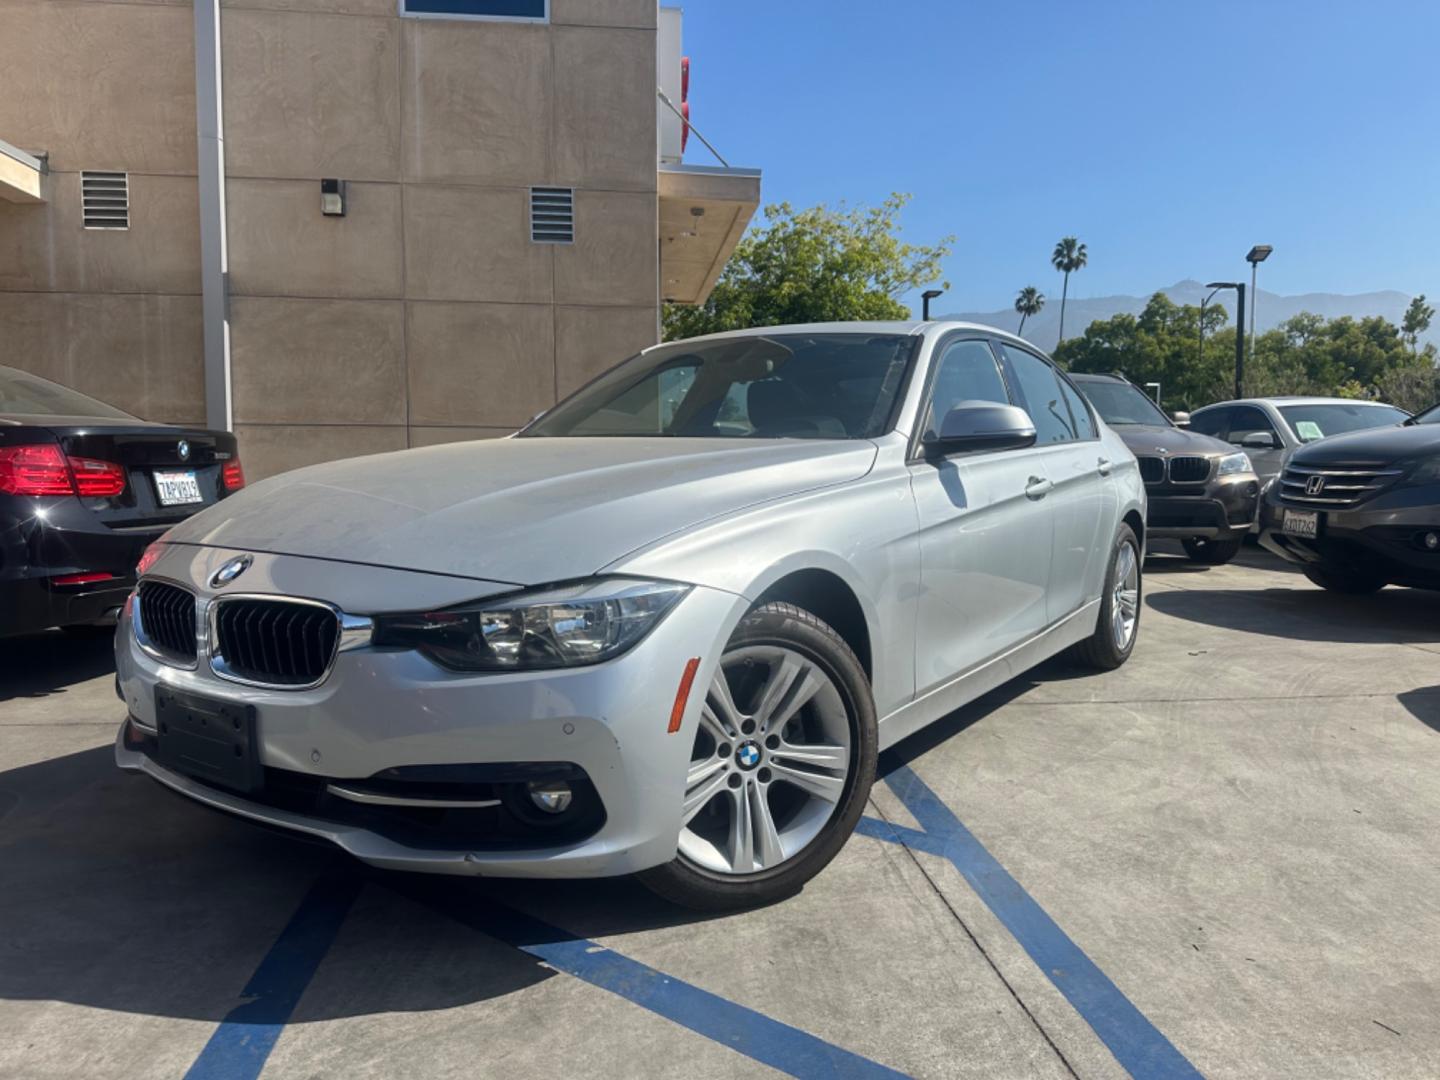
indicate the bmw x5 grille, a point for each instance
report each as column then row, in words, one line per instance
column 275, row 642
column 167, row 613
column 1333, row 487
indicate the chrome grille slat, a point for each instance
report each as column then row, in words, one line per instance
column 278, row 642
column 1341, row 487
column 167, row 612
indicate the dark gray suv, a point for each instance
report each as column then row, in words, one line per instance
column 1361, row 511
column 1200, row 491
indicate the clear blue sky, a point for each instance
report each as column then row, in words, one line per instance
column 1169, row 137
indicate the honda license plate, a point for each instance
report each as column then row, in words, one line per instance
column 178, row 488
column 1304, row 523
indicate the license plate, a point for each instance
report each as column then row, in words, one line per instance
column 177, row 488
column 1304, row 523
column 213, row 741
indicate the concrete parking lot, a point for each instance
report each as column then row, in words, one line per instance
column 1220, row 859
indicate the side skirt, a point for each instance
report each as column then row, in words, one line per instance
column 997, row 671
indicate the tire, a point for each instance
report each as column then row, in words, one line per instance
column 1344, row 580
column 1211, row 552
column 709, row 872
column 1102, row 650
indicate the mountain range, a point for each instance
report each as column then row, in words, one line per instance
column 1044, row 329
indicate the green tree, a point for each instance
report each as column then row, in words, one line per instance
column 1030, row 301
column 1069, row 255
column 815, row 265
column 1416, row 321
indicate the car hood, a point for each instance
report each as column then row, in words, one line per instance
column 524, row 511
column 1374, row 446
column 1151, row 439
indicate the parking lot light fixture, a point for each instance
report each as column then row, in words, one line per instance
column 925, row 298
column 1256, row 255
column 1239, row 287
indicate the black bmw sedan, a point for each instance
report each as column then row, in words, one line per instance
column 84, row 488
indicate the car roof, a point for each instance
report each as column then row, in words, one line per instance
column 1295, row 399
column 914, row 328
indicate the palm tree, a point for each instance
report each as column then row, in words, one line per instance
column 1068, row 256
column 1028, row 303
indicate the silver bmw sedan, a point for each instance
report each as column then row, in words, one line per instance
column 664, row 629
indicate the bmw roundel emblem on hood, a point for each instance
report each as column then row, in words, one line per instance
column 183, row 449
column 231, row 570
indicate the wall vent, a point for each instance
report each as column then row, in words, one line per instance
column 552, row 215
column 105, row 200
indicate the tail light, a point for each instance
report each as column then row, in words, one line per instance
column 232, row 475
column 97, row 479
column 148, row 556
column 34, row 470
column 43, row 470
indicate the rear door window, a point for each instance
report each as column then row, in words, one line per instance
column 1212, row 422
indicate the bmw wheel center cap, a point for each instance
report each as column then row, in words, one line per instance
column 747, row 754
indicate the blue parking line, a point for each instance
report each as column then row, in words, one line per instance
column 771, row 1042
column 1137, row 1044
column 239, row 1047
column 242, row 1043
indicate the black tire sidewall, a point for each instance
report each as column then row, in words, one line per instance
column 1102, row 646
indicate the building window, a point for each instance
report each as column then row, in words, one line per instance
column 521, row 10
column 105, row 200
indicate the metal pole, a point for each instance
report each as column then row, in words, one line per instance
column 214, row 259
column 1200, row 356
column 925, row 308
column 1254, row 303
column 1240, row 340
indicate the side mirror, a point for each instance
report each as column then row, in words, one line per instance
column 1260, row 440
column 982, row 425
column 1182, row 419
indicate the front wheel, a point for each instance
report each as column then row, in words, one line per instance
column 1202, row 549
column 1119, row 624
column 780, row 769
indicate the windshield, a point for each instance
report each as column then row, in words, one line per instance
column 1311, row 422
column 1429, row 416
column 1120, row 403
column 29, row 395
column 781, row 386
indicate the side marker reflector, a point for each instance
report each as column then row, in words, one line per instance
column 682, row 695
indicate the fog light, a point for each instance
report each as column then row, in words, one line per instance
column 553, row 797
column 1432, row 541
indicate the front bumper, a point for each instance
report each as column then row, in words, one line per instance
column 1380, row 538
column 1223, row 510
column 384, row 709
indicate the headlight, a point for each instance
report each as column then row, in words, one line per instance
column 1418, row 471
column 584, row 623
column 1231, row 464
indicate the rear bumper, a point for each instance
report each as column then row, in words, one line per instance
column 1383, row 538
column 1224, row 510
column 45, row 539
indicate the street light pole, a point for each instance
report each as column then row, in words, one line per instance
column 1257, row 254
column 925, row 298
column 1239, row 287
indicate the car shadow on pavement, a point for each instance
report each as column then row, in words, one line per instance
column 120, row 895
column 1423, row 704
column 1306, row 613
column 50, row 663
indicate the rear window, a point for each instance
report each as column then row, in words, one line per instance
column 29, row 395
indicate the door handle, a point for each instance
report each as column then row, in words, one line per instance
column 1104, row 466
column 1038, row 488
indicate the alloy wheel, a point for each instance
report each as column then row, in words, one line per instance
column 770, row 761
column 1125, row 596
